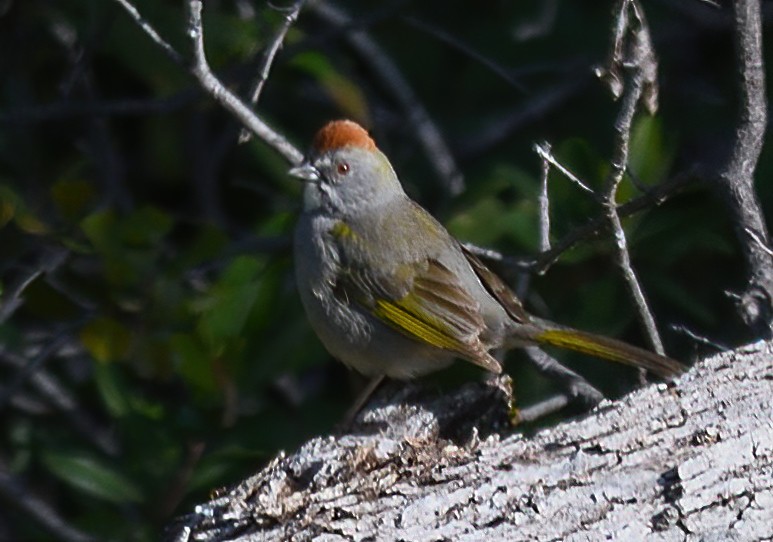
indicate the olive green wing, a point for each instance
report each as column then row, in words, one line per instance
column 497, row 288
column 422, row 300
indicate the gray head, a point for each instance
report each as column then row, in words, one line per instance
column 345, row 172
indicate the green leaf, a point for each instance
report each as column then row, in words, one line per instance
column 91, row 476
column 504, row 210
column 99, row 228
column 146, row 226
column 650, row 156
column 111, row 389
column 193, row 362
column 225, row 310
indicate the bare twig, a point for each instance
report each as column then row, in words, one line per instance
column 290, row 16
column 60, row 398
column 521, row 264
column 737, row 178
column 544, row 152
column 384, row 68
column 700, row 338
column 632, row 51
column 12, row 300
column 542, row 262
column 631, row 48
column 468, row 51
column 544, row 202
column 24, row 373
column 541, row 409
column 151, row 32
column 212, row 84
column 654, row 196
column 224, row 96
column 573, row 384
column 15, row 494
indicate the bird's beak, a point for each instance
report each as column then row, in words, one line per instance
column 305, row 172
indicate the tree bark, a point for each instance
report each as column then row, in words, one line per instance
column 688, row 461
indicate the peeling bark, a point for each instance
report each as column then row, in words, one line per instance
column 688, row 461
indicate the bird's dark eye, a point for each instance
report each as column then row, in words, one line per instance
column 343, row 168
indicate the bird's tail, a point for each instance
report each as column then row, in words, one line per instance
column 608, row 349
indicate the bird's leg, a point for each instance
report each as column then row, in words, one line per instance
column 362, row 399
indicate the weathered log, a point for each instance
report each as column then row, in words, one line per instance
column 689, row 461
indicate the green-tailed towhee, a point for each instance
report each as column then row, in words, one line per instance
column 388, row 290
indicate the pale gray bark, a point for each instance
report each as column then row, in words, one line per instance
column 692, row 461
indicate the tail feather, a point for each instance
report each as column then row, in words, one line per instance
column 611, row 350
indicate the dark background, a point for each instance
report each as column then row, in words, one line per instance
column 152, row 344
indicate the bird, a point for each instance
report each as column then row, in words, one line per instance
column 391, row 293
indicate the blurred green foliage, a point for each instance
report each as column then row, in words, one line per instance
column 154, row 252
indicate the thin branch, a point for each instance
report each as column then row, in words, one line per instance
column 737, row 178
column 60, row 398
column 544, row 261
column 13, row 298
column 151, row 32
column 290, row 16
column 511, row 262
column 541, row 409
column 544, row 200
column 224, row 96
column 574, row 385
column 15, row 494
column 456, row 43
column 428, row 134
column 720, row 347
column 33, row 365
column 654, row 196
column 212, row 84
column 638, row 57
column 544, row 152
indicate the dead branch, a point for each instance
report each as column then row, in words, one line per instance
column 662, row 462
column 632, row 52
column 736, row 180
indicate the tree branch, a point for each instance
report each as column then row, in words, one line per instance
column 211, row 84
column 632, row 51
column 290, row 16
column 202, row 72
column 14, row 493
column 736, row 181
column 661, row 462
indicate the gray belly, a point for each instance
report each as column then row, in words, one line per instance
column 348, row 332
